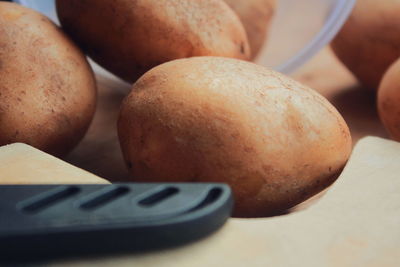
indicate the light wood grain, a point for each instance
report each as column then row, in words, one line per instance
column 23, row 164
column 355, row 224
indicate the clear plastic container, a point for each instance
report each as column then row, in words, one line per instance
column 300, row 29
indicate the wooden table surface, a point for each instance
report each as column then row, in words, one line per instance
column 100, row 154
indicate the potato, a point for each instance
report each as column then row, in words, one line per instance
column 389, row 100
column 210, row 119
column 369, row 42
column 256, row 16
column 47, row 88
column 129, row 37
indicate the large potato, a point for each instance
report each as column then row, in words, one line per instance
column 273, row 140
column 47, row 88
column 389, row 100
column 256, row 16
column 129, row 37
column 369, row 42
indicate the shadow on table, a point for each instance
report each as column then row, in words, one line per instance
column 358, row 107
column 99, row 151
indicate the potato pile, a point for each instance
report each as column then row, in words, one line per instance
column 197, row 112
column 47, row 88
column 369, row 45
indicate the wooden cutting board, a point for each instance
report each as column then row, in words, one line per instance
column 356, row 223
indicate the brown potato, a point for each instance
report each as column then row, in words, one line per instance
column 47, row 88
column 209, row 119
column 129, row 37
column 389, row 100
column 256, row 16
column 369, row 42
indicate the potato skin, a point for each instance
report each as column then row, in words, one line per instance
column 389, row 100
column 209, row 119
column 369, row 42
column 129, row 37
column 47, row 88
column 256, row 16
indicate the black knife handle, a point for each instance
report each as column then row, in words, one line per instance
column 47, row 221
